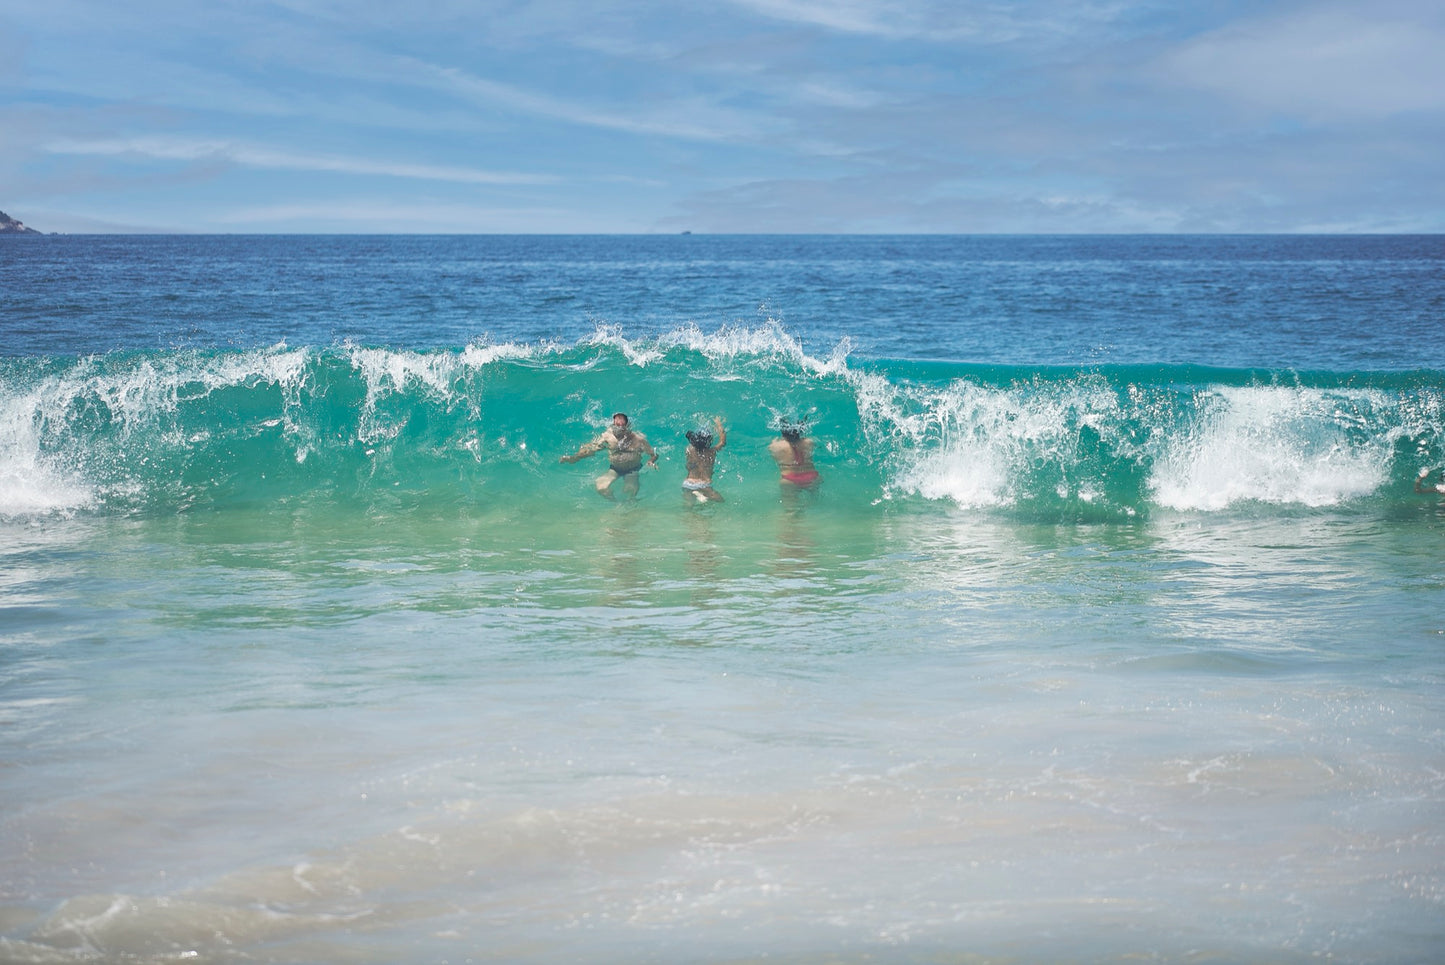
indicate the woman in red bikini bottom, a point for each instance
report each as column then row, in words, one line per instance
column 793, row 453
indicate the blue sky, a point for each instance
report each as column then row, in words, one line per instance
column 733, row 116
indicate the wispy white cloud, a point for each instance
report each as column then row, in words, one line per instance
column 227, row 152
column 844, row 96
column 846, row 16
column 373, row 214
column 1332, row 62
column 690, row 119
column 943, row 20
column 782, row 114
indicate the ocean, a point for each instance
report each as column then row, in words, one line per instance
column 1114, row 630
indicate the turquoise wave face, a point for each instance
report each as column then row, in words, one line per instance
column 483, row 427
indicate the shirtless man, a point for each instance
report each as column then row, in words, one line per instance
column 794, row 455
column 624, row 456
column 701, row 455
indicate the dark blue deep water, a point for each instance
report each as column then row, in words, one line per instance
column 1357, row 303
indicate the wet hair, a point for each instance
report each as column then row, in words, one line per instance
column 699, row 438
column 792, row 429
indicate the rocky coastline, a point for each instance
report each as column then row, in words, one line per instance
column 9, row 226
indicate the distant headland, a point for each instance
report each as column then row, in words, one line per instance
column 9, row 226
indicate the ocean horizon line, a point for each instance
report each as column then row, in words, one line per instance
column 169, row 233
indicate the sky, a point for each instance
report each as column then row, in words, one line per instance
column 738, row 116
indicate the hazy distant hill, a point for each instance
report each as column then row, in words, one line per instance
column 9, row 226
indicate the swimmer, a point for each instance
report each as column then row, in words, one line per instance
column 1421, row 487
column 701, row 454
column 793, row 452
column 624, row 456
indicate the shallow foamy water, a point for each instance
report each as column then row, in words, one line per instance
column 819, row 740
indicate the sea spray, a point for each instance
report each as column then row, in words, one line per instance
column 1268, row 444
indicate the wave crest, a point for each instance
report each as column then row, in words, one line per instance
column 165, row 431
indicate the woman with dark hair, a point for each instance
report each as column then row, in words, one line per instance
column 701, row 456
column 793, row 452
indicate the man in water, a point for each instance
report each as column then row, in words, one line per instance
column 1420, row 486
column 701, row 455
column 624, row 456
column 793, row 452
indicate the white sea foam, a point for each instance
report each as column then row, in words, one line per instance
column 154, row 385
column 480, row 354
column 1272, row 444
column 30, row 489
column 440, row 373
column 765, row 341
column 639, row 353
column 387, row 372
column 984, row 446
column 44, row 470
column 32, row 481
column 724, row 345
column 974, row 444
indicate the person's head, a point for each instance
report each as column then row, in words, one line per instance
column 791, row 431
column 700, row 439
column 620, row 420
